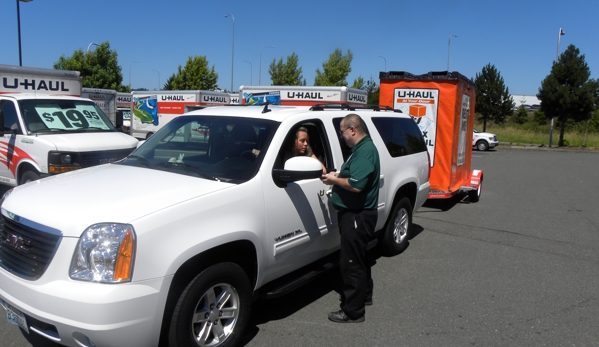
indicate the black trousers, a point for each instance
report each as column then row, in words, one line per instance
column 357, row 229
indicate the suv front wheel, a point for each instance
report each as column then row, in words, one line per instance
column 214, row 308
column 394, row 239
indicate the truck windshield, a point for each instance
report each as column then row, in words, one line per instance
column 220, row 148
column 55, row 115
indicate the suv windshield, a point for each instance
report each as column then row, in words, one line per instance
column 215, row 148
column 53, row 115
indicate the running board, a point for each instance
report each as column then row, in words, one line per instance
column 301, row 277
column 299, row 281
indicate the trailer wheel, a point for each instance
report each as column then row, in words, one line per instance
column 474, row 195
column 214, row 308
column 394, row 239
column 29, row 176
column 482, row 145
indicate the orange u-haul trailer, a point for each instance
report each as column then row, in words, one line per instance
column 442, row 104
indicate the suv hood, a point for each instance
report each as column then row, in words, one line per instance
column 105, row 193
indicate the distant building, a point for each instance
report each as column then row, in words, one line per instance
column 528, row 101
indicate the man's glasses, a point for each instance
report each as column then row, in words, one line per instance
column 342, row 131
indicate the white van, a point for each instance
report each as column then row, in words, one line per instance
column 49, row 129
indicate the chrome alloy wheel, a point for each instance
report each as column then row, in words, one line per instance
column 400, row 225
column 215, row 315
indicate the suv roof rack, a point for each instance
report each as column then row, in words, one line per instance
column 322, row 107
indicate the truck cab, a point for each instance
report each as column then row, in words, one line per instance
column 47, row 128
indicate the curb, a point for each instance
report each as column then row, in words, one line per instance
column 543, row 147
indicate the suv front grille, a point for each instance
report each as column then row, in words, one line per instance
column 104, row 157
column 26, row 251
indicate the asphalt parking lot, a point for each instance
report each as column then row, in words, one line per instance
column 518, row 268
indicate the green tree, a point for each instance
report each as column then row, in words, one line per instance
column 98, row 68
column 493, row 99
column 520, row 117
column 568, row 93
column 372, row 92
column 288, row 73
column 168, row 85
column 335, row 70
column 359, row 83
column 196, row 75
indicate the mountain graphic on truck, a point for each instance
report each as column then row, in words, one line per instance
column 146, row 109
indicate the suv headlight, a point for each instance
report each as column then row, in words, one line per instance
column 105, row 253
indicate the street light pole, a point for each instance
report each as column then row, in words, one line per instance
column 250, row 71
column 448, row 45
column 559, row 36
column 158, row 78
column 130, row 72
column 380, row 56
column 260, row 69
column 232, row 50
column 88, row 46
column 19, row 29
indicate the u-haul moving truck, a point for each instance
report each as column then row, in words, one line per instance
column 152, row 110
column 49, row 129
column 301, row 95
column 104, row 98
column 123, row 112
column 442, row 104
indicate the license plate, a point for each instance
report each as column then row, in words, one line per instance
column 15, row 316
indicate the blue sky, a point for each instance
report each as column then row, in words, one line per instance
column 519, row 38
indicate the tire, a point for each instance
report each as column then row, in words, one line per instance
column 395, row 237
column 200, row 320
column 482, row 145
column 474, row 195
column 148, row 135
column 29, row 176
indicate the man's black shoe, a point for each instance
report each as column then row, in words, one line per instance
column 341, row 317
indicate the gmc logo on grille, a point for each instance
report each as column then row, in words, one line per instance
column 17, row 242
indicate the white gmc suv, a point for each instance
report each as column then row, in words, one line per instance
column 212, row 218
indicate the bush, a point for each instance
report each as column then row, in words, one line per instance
column 520, row 117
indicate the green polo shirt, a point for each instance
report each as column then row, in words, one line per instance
column 362, row 169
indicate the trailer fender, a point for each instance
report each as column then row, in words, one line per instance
column 476, row 178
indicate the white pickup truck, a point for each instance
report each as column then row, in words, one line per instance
column 212, row 219
column 484, row 141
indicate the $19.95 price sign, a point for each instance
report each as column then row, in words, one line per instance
column 81, row 117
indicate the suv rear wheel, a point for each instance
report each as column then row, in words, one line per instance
column 214, row 308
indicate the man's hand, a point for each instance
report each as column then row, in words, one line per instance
column 329, row 178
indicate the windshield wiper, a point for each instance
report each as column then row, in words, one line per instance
column 189, row 168
column 144, row 162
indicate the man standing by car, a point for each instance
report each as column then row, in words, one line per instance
column 355, row 196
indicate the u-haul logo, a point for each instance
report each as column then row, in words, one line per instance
column 34, row 84
column 212, row 98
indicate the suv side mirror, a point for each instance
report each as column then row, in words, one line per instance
column 296, row 169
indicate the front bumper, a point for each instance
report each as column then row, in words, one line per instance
column 75, row 313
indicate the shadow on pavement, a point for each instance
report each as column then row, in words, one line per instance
column 446, row 204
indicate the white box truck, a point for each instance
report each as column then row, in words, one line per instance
column 301, row 95
column 48, row 128
column 152, row 110
column 123, row 112
column 105, row 99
